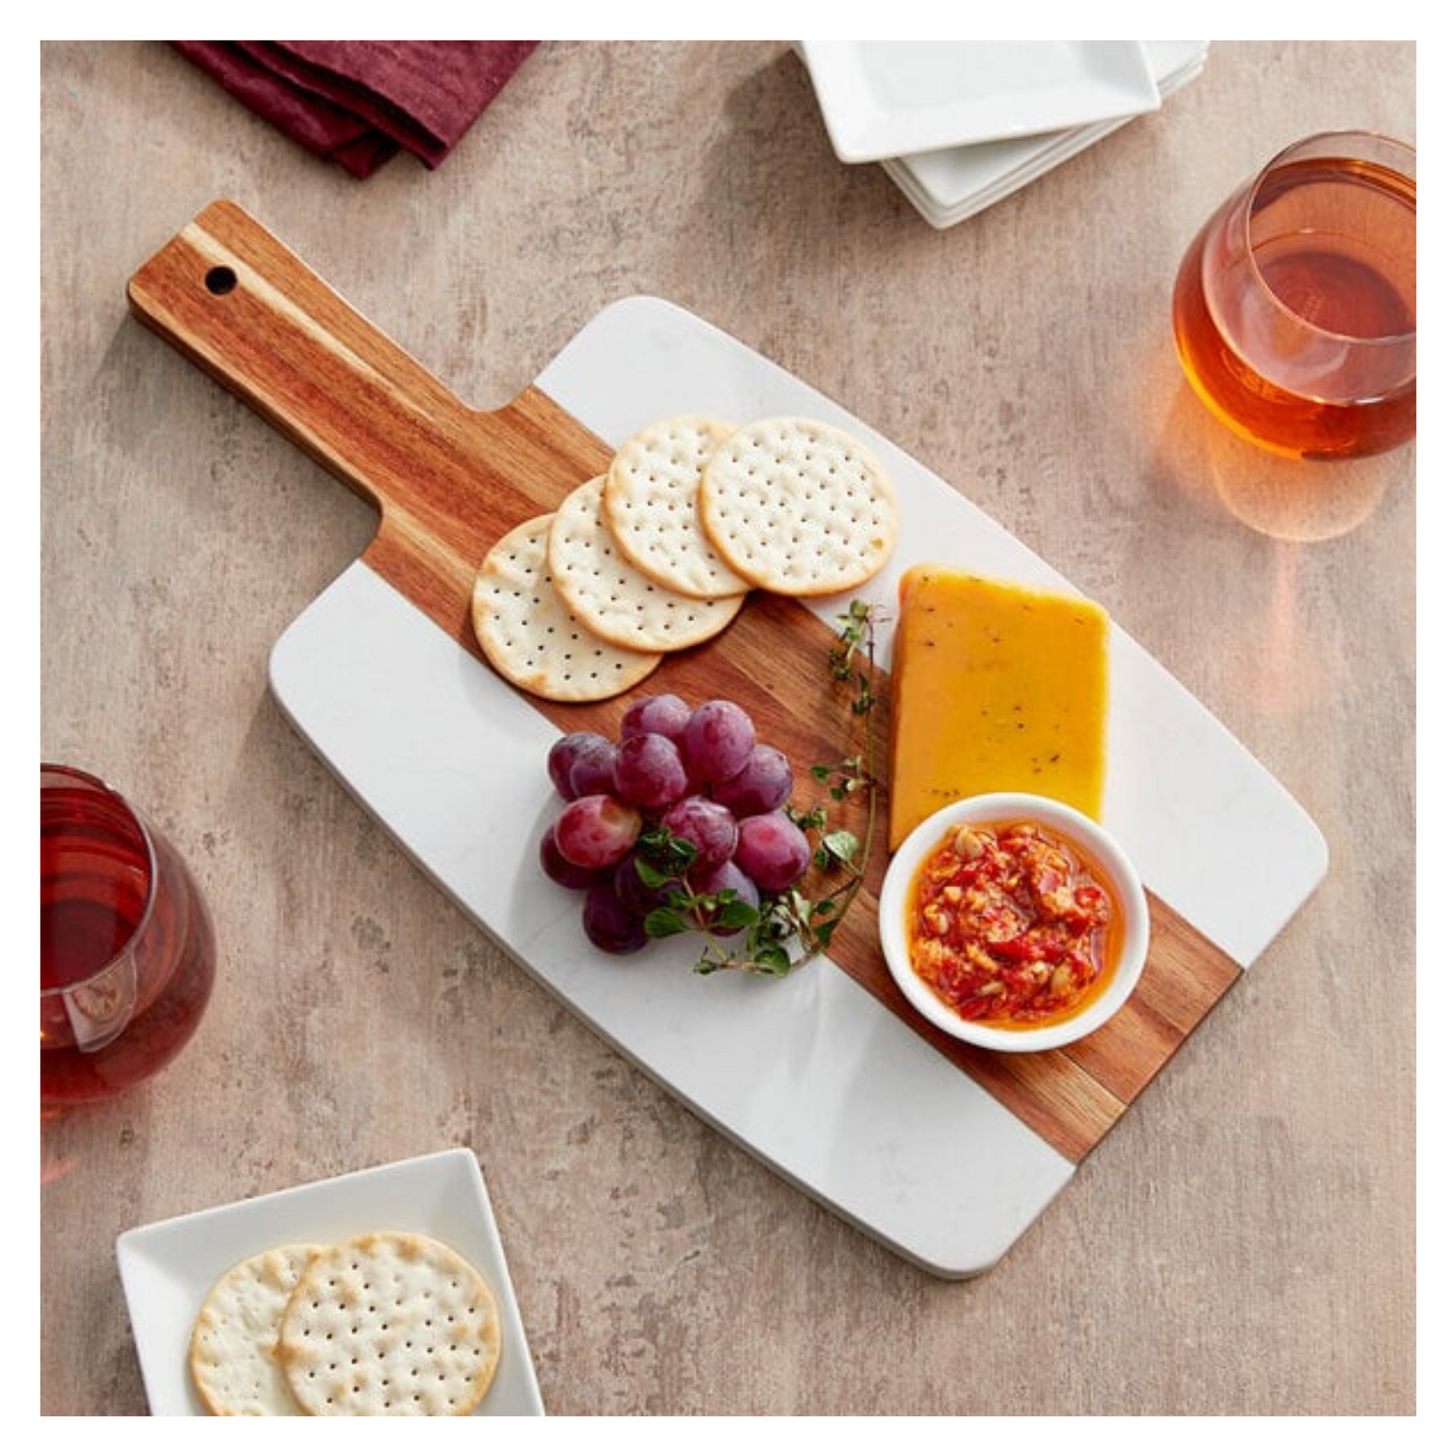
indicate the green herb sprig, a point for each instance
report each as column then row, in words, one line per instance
column 792, row 928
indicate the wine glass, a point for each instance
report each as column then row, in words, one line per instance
column 1294, row 308
column 127, row 949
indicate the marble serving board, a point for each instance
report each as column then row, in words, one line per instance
column 944, row 1153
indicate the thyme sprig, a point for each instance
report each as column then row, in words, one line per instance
column 789, row 929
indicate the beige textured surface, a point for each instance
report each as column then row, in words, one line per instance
column 1244, row 1239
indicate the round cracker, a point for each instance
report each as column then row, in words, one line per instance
column 798, row 507
column 610, row 596
column 532, row 638
column 232, row 1355
column 649, row 503
column 390, row 1323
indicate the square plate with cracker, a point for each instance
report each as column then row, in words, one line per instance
column 167, row 1268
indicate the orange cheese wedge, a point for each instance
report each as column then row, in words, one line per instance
column 996, row 688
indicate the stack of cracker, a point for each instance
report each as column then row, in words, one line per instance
column 660, row 552
column 390, row 1323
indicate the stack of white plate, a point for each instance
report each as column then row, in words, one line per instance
column 959, row 125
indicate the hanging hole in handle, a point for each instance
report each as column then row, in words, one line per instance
column 220, row 280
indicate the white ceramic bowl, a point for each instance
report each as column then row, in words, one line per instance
column 1054, row 817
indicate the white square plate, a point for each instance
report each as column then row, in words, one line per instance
column 168, row 1268
column 950, row 185
column 888, row 98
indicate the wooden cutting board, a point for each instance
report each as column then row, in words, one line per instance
column 448, row 480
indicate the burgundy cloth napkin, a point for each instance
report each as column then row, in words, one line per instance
column 357, row 102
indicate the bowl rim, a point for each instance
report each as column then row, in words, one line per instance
column 998, row 807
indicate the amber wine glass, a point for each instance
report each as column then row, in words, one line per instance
column 1294, row 309
column 127, row 951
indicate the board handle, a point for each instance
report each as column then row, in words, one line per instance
column 442, row 475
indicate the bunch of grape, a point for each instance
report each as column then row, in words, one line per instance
column 682, row 819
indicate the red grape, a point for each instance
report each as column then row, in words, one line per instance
column 559, row 870
column 648, row 771
column 723, row 877
column 763, row 786
column 639, row 897
column 608, row 924
column 664, row 713
column 597, row 830
column 718, row 740
column 565, row 752
column 580, row 763
column 708, row 826
column 772, row 850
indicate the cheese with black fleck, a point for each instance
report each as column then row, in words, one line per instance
column 996, row 688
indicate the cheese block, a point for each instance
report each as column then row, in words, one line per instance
column 995, row 688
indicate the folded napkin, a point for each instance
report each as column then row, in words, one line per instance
column 357, row 102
